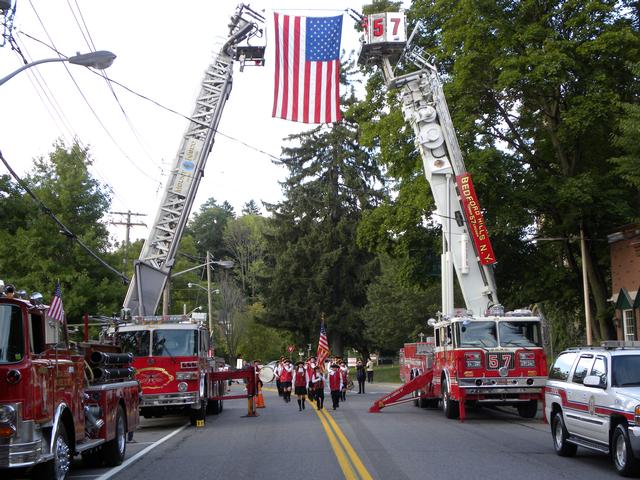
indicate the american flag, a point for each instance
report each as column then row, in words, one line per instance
column 323, row 347
column 56, row 310
column 307, row 73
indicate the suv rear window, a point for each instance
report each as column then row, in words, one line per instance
column 562, row 366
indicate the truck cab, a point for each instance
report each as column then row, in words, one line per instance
column 173, row 361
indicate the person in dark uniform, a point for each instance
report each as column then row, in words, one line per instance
column 300, row 381
column 317, row 385
column 361, row 376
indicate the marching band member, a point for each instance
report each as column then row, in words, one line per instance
column 317, row 386
column 277, row 371
column 311, row 365
column 286, row 376
column 300, row 381
column 344, row 372
column 335, row 385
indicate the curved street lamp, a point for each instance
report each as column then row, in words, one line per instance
column 100, row 60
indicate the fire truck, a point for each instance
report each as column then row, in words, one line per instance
column 481, row 355
column 172, row 354
column 59, row 399
column 175, row 366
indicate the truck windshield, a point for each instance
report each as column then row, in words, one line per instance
column 11, row 334
column 175, row 343
column 477, row 334
column 625, row 370
column 135, row 342
column 519, row 334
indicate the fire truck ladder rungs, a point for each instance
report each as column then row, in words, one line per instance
column 396, row 397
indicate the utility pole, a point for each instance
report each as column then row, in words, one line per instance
column 209, row 299
column 585, row 286
column 129, row 224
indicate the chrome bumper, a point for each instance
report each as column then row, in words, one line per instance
column 169, row 399
column 26, row 447
column 502, row 386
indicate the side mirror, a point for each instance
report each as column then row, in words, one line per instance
column 594, row 381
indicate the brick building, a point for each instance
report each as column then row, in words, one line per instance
column 624, row 246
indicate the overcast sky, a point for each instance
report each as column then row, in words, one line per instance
column 162, row 48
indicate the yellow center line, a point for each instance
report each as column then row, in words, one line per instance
column 340, row 445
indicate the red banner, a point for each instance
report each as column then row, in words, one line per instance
column 475, row 220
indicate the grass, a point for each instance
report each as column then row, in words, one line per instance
column 384, row 374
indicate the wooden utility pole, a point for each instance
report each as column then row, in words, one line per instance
column 129, row 224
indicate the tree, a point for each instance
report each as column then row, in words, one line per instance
column 314, row 268
column 232, row 316
column 244, row 240
column 250, row 208
column 33, row 253
column 207, row 227
column 535, row 91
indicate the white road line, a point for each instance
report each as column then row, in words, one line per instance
column 140, row 454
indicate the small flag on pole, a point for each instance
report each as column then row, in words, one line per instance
column 56, row 310
column 323, row 347
column 307, row 68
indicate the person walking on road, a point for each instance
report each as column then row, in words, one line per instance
column 286, row 377
column 277, row 371
column 300, row 381
column 310, row 366
column 344, row 371
column 335, row 385
column 317, row 386
column 361, row 376
column 370, row 370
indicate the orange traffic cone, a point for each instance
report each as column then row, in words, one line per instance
column 260, row 398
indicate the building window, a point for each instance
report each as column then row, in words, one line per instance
column 629, row 325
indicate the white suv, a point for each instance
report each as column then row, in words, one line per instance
column 592, row 400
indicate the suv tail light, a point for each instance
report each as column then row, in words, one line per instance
column 527, row 359
column 472, row 360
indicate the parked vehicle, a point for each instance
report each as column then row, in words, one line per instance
column 58, row 399
column 592, row 400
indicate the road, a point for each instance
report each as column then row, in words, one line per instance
column 402, row 442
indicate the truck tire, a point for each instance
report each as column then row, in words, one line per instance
column 115, row 450
column 624, row 461
column 528, row 409
column 213, row 407
column 92, row 458
column 196, row 414
column 560, row 435
column 58, row 468
column 450, row 408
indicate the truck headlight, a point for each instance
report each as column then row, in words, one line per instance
column 472, row 360
column 182, row 387
column 7, row 414
column 187, row 376
column 527, row 359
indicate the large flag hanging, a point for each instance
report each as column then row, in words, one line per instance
column 56, row 310
column 307, row 73
column 323, row 347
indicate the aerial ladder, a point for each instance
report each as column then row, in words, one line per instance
column 152, row 270
column 466, row 248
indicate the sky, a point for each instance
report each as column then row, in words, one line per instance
column 163, row 48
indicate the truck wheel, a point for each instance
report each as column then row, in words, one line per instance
column 560, row 435
column 451, row 408
column 196, row 414
column 115, row 450
column 424, row 403
column 58, row 468
column 92, row 458
column 213, row 407
column 623, row 459
column 528, row 409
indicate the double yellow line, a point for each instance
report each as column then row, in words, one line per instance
column 349, row 461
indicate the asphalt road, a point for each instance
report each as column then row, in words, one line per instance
column 402, row 442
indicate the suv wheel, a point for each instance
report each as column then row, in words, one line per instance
column 623, row 458
column 560, row 435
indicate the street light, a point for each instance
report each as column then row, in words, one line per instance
column 191, row 285
column 100, row 60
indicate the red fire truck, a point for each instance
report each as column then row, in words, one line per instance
column 174, row 364
column 59, row 399
column 479, row 354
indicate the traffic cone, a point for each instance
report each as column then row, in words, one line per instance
column 260, row 399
